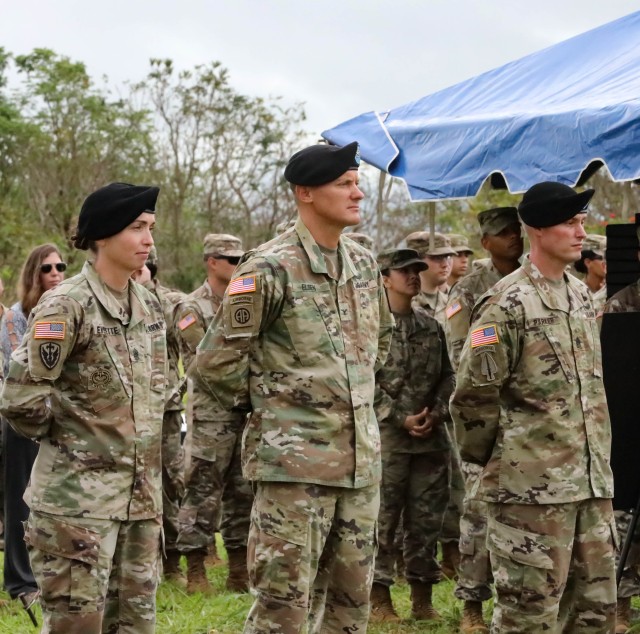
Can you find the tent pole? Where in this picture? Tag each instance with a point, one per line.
(380, 208)
(432, 224)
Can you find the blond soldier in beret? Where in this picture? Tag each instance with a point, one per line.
(215, 477)
(300, 333)
(460, 261)
(530, 410)
(89, 384)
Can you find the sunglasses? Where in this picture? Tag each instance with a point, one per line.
(61, 267)
(232, 259)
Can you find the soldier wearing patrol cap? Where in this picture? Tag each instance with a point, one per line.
(412, 403)
(460, 261)
(214, 479)
(502, 238)
(438, 259)
(297, 340)
(89, 383)
(530, 410)
(593, 266)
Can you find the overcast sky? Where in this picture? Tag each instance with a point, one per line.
(339, 57)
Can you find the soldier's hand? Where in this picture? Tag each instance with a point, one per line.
(419, 425)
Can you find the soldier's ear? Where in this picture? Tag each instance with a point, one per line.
(304, 193)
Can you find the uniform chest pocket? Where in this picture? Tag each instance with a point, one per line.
(559, 355)
(103, 386)
(311, 326)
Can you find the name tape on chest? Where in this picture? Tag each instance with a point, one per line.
(50, 330)
(484, 336)
(188, 320)
(242, 285)
(452, 309)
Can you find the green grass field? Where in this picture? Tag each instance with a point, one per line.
(224, 613)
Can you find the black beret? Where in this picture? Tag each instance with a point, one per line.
(110, 209)
(320, 164)
(547, 204)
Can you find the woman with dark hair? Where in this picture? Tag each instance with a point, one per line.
(593, 266)
(42, 270)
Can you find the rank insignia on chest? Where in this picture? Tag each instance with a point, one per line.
(484, 336)
(242, 285)
(452, 309)
(49, 330)
(50, 354)
(186, 321)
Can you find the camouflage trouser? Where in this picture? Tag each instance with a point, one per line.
(311, 552)
(215, 478)
(553, 566)
(474, 573)
(630, 580)
(451, 523)
(416, 487)
(96, 576)
(172, 476)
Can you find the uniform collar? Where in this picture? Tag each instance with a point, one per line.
(548, 297)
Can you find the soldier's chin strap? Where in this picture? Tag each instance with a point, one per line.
(626, 547)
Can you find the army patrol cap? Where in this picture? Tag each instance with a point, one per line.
(493, 221)
(362, 239)
(321, 164)
(547, 204)
(420, 241)
(110, 209)
(595, 243)
(222, 244)
(459, 243)
(400, 259)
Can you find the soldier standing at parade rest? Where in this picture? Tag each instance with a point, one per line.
(296, 342)
(412, 401)
(530, 409)
(502, 237)
(88, 383)
(172, 452)
(215, 476)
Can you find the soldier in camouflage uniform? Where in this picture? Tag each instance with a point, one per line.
(460, 261)
(529, 408)
(89, 384)
(295, 344)
(215, 475)
(626, 301)
(172, 452)
(502, 237)
(362, 239)
(412, 401)
(593, 266)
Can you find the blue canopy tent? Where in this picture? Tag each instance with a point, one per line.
(548, 116)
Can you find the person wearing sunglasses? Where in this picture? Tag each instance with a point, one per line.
(89, 383)
(43, 270)
(214, 482)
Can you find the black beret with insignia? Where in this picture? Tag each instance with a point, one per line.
(321, 164)
(547, 204)
(110, 209)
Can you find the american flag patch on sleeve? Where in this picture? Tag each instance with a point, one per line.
(242, 285)
(452, 309)
(49, 330)
(484, 336)
(186, 321)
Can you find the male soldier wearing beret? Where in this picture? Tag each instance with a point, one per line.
(412, 403)
(295, 344)
(89, 384)
(172, 452)
(529, 408)
(460, 261)
(215, 475)
(502, 237)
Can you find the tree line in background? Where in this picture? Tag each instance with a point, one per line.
(217, 155)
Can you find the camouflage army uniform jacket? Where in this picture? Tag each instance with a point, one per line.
(417, 374)
(92, 391)
(434, 304)
(169, 299)
(625, 301)
(298, 350)
(529, 405)
(462, 299)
